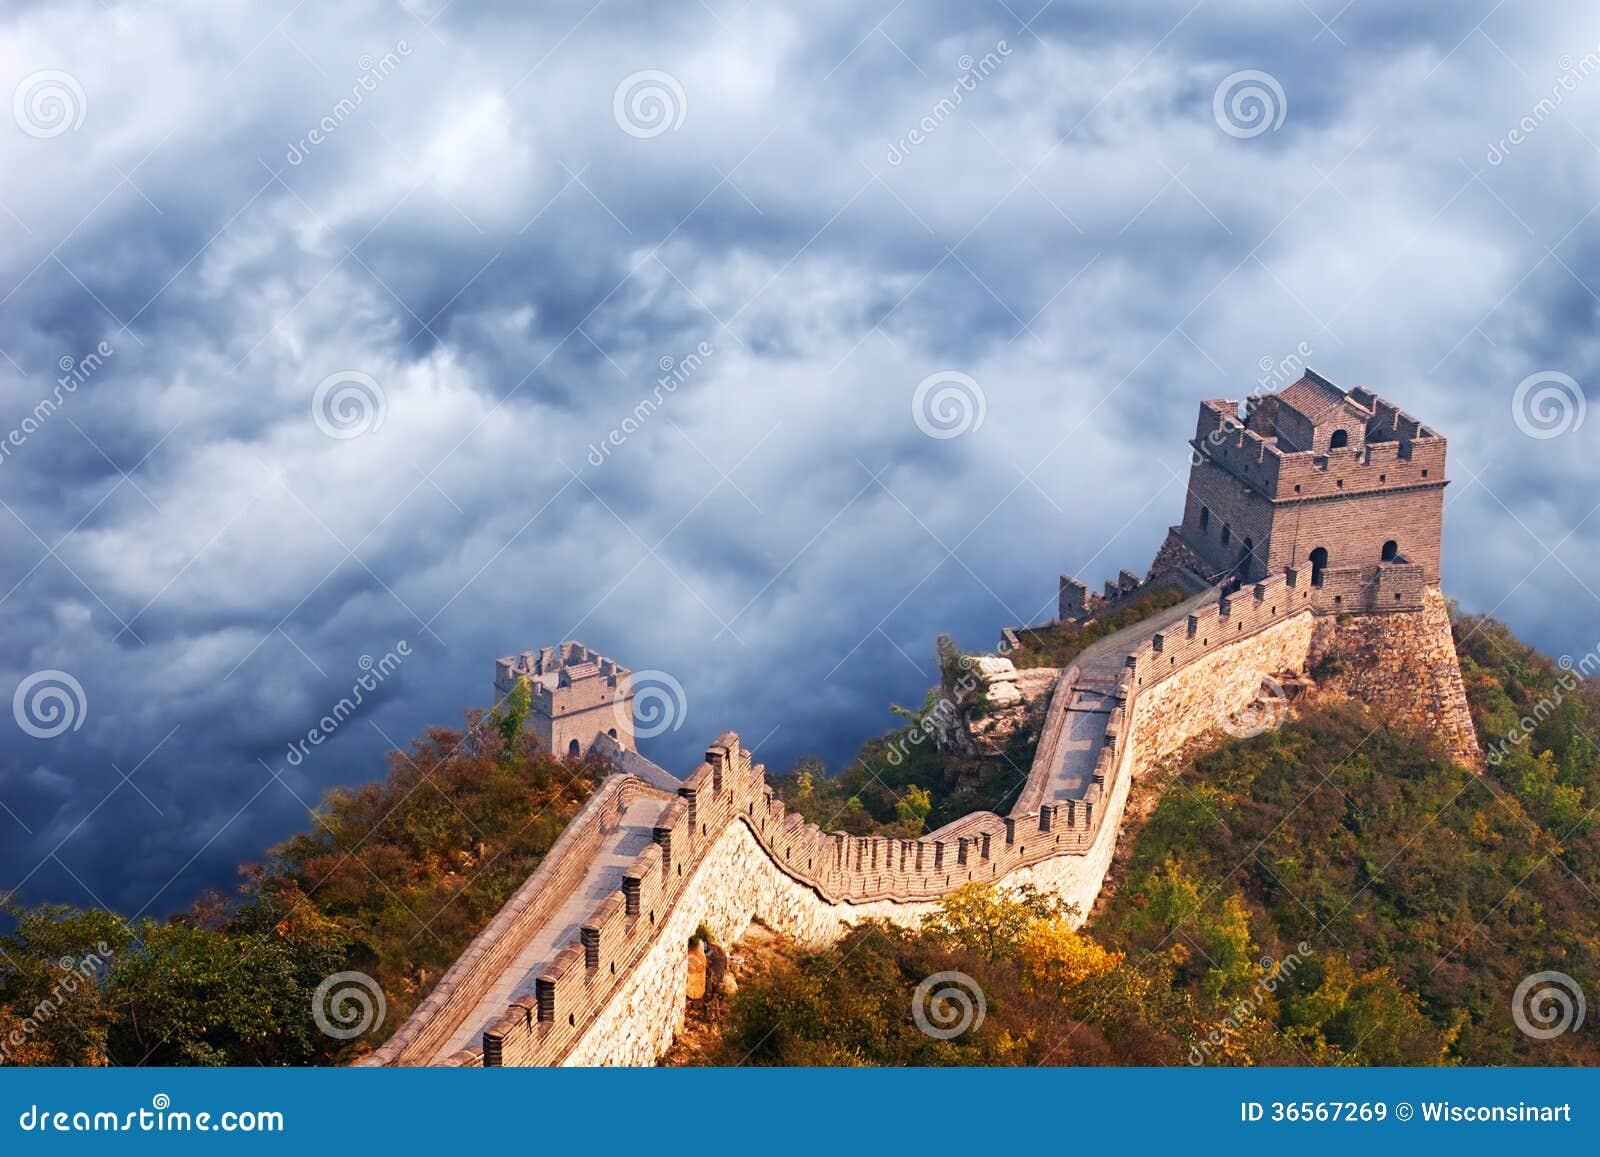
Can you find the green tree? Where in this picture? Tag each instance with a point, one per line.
(913, 807)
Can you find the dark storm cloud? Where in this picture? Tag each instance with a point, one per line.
(479, 236)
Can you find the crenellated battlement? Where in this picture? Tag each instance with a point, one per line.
(1340, 483)
(577, 694)
(1321, 500)
(845, 874)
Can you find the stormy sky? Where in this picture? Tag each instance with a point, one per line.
(342, 330)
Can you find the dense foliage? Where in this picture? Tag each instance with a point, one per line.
(1334, 892)
(394, 880)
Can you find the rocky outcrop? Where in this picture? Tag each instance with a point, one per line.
(1403, 664)
(1010, 696)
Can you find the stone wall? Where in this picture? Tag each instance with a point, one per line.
(1404, 665)
(727, 852)
(740, 879)
(472, 975)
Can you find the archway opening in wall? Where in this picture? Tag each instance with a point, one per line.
(1319, 563)
(1340, 439)
(1205, 518)
(1227, 534)
(1391, 550)
(1247, 560)
(612, 732)
(573, 750)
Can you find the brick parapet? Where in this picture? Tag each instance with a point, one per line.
(841, 870)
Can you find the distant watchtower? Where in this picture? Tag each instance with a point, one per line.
(577, 696)
(1343, 487)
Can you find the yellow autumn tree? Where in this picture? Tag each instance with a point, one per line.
(1056, 960)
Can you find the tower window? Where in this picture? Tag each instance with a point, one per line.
(573, 750)
(1227, 534)
(1205, 518)
(1390, 550)
(1340, 439)
(1319, 563)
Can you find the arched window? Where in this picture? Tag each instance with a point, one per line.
(573, 750)
(1227, 534)
(612, 732)
(1205, 518)
(1319, 563)
(1339, 441)
(1391, 550)
(1246, 550)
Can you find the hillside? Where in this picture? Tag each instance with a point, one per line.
(393, 881)
(1332, 892)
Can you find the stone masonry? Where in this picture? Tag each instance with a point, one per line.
(578, 694)
(609, 987)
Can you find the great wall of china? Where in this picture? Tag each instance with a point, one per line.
(586, 963)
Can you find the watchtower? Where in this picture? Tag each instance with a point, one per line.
(1342, 486)
(578, 694)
